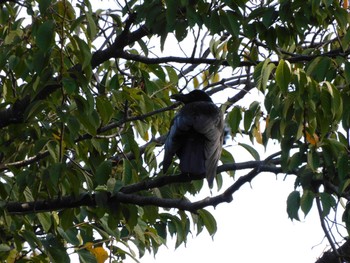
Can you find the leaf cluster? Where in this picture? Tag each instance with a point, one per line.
(85, 108)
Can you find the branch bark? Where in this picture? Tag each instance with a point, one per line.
(127, 193)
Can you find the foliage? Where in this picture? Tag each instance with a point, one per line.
(85, 107)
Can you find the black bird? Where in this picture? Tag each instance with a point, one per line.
(196, 135)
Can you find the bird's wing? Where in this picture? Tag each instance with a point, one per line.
(204, 119)
(214, 133)
(173, 141)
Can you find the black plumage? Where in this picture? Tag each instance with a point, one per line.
(196, 135)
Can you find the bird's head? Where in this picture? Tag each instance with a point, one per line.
(193, 96)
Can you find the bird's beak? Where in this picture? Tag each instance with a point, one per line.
(177, 97)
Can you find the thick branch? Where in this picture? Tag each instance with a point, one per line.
(126, 194)
(115, 50)
(182, 60)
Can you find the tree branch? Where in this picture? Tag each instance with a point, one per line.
(126, 194)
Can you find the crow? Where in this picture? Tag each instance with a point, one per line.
(195, 136)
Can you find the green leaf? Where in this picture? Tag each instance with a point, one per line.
(214, 23)
(293, 205)
(313, 160)
(55, 249)
(180, 232)
(295, 161)
(101, 199)
(343, 166)
(209, 221)
(251, 150)
(31, 238)
(86, 122)
(130, 213)
(262, 74)
(69, 85)
(128, 140)
(66, 218)
(269, 16)
(173, 78)
(4, 248)
(283, 75)
(171, 11)
(347, 71)
(103, 172)
(104, 108)
(234, 118)
(227, 157)
(346, 217)
(91, 29)
(45, 221)
(345, 40)
(84, 52)
(318, 68)
(229, 21)
(56, 171)
(158, 71)
(86, 256)
(327, 201)
(70, 235)
(45, 35)
(306, 201)
(248, 118)
(181, 30)
(43, 6)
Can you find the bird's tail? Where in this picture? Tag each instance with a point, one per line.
(192, 158)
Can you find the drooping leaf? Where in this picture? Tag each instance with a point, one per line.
(318, 68)
(283, 75)
(234, 118)
(45, 35)
(103, 172)
(293, 205)
(327, 201)
(209, 221)
(262, 74)
(254, 153)
(306, 201)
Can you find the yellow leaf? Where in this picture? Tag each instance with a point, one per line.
(257, 133)
(312, 139)
(88, 246)
(267, 121)
(216, 78)
(205, 77)
(346, 4)
(225, 47)
(195, 83)
(56, 136)
(100, 254)
(146, 137)
(11, 258)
